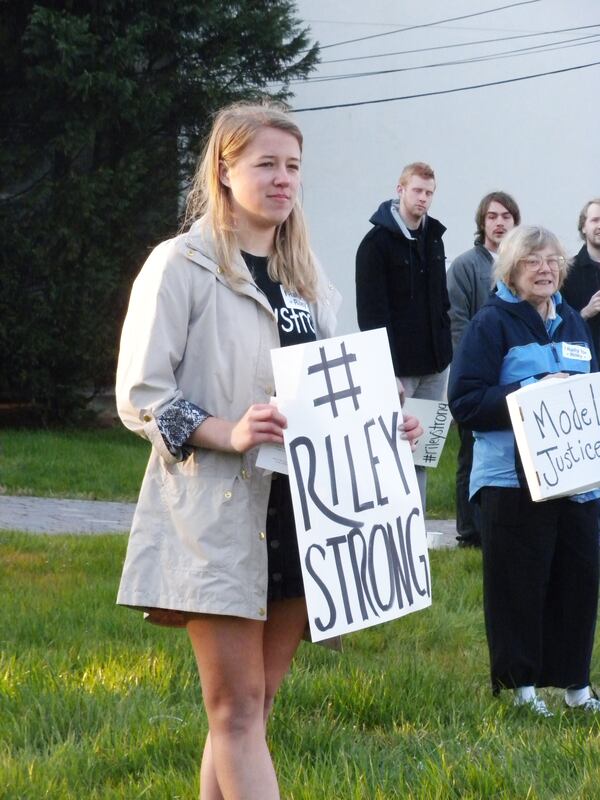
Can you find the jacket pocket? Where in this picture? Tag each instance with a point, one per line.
(204, 514)
(399, 280)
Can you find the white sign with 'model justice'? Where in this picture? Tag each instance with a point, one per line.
(557, 428)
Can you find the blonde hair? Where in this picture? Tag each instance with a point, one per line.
(291, 262)
(521, 242)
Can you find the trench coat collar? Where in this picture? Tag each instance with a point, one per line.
(200, 248)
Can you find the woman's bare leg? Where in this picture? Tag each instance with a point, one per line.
(209, 785)
(229, 653)
(282, 633)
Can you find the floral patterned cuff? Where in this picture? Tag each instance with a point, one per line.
(177, 423)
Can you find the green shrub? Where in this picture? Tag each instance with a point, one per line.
(103, 108)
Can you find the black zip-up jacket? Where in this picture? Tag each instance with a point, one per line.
(401, 285)
(582, 281)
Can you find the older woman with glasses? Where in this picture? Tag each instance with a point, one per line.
(540, 560)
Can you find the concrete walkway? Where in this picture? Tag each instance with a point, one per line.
(49, 515)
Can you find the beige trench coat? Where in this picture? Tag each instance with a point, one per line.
(198, 539)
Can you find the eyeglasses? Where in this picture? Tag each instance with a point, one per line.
(535, 261)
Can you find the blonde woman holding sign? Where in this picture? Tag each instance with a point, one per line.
(213, 544)
(540, 560)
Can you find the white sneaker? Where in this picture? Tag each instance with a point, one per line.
(591, 704)
(590, 701)
(537, 706)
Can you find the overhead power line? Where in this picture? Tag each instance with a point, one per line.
(579, 41)
(459, 44)
(447, 91)
(426, 24)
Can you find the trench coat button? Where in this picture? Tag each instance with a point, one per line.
(245, 474)
(227, 494)
(147, 417)
(219, 271)
(190, 253)
(269, 390)
(261, 535)
(262, 611)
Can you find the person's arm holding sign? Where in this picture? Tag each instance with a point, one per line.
(261, 423)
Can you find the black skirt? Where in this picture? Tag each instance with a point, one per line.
(285, 573)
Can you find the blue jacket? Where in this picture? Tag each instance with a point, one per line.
(506, 346)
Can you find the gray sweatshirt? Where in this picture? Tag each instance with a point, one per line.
(469, 285)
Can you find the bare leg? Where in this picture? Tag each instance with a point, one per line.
(282, 634)
(209, 786)
(229, 653)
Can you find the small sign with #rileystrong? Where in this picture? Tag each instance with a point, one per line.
(435, 417)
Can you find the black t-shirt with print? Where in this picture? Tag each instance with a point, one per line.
(294, 320)
(295, 325)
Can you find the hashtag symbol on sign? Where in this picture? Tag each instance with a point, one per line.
(326, 367)
(428, 458)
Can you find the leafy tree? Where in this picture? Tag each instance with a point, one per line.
(104, 105)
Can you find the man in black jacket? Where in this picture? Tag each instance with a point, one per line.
(582, 286)
(401, 285)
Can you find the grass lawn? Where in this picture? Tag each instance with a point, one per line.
(96, 704)
(87, 464)
(108, 464)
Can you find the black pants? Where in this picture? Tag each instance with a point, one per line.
(540, 588)
(467, 513)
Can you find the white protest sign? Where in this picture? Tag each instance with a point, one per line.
(360, 527)
(272, 458)
(557, 428)
(434, 416)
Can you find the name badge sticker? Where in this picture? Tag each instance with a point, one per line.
(293, 300)
(577, 352)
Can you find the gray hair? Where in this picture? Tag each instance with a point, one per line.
(521, 242)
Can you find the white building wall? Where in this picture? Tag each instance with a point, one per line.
(537, 139)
